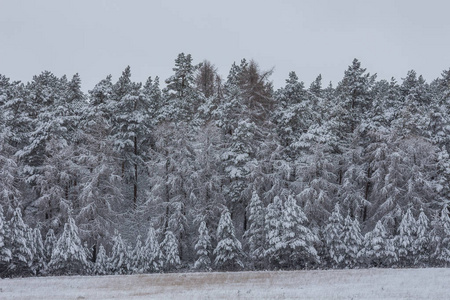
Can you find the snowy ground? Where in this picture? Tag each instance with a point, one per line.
(337, 284)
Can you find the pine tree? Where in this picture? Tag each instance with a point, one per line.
(422, 241)
(228, 251)
(5, 251)
(333, 235)
(297, 240)
(404, 241)
(440, 239)
(137, 259)
(21, 255)
(203, 248)
(49, 245)
(273, 229)
(119, 260)
(181, 93)
(38, 264)
(69, 255)
(169, 248)
(255, 234)
(378, 250)
(101, 265)
(353, 94)
(152, 252)
(352, 239)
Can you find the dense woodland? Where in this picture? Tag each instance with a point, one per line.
(214, 173)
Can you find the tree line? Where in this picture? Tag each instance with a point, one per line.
(223, 173)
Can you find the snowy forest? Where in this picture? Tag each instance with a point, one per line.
(223, 173)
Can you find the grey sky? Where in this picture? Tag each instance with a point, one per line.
(97, 38)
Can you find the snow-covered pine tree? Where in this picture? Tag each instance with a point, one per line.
(169, 248)
(203, 248)
(378, 250)
(422, 241)
(333, 243)
(298, 241)
(137, 259)
(353, 94)
(255, 234)
(228, 251)
(119, 261)
(404, 241)
(21, 255)
(49, 245)
(440, 239)
(101, 265)
(132, 132)
(183, 98)
(69, 255)
(38, 264)
(100, 184)
(152, 252)
(352, 239)
(273, 230)
(5, 251)
(294, 114)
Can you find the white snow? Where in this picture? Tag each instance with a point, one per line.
(362, 284)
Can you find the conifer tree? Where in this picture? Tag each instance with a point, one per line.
(137, 259)
(152, 252)
(440, 239)
(21, 255)
(119, 260)
(101, 265)
(352, 239)
(228, 251)
(169, 248)
(333, 234)
(404, 241)
(5, 251)
(49, 245)
(203, 248)
(181, 93)
(422, 241)
(378, 250)
(297, 240)
(69, 255)
(255, 234)
(39, 259)
(273, 228)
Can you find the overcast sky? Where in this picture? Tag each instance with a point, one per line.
(95, 38)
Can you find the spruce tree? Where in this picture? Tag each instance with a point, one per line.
(69, 255)
(203, 248)
(49, 245)
(422, 241)
(333, 234)
(21, 255)
(152, 252)
(101, 265)
(440, 239)
(169, 248)
(378, 249)
(404, 241)
(228, 251)
(39, 259)
(137, 259)
(255, 234)
(5, 251)
(352, 239)
(298, 238)
(119, 260)
(273, 229)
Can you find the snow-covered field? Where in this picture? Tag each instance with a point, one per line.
(335, 284)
